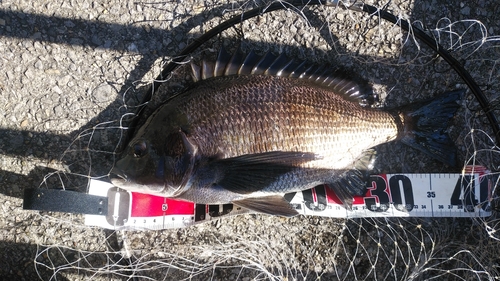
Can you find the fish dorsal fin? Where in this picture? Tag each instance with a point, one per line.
(221, 62)
(248, 64)
(195, 72)
(207, 70)
(234, 64)
(324, 75)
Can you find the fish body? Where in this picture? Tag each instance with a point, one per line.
(245, 135)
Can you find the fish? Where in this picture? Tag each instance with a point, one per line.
(252, 128)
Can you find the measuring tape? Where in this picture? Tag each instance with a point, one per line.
(388, 195)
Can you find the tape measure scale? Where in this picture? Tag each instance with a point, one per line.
(388, 195)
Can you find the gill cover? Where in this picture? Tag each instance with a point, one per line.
(176, 166)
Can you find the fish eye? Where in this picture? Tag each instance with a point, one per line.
(140, 148)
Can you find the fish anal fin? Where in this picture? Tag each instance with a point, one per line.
(366, 161)
(272, 205)
(351, 183)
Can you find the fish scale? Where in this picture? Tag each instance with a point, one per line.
(302, 118)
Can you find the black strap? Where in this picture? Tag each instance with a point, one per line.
(59, 200)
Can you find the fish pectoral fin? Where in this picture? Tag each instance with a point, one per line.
(253, 172)
(272, 205)
(351, 183)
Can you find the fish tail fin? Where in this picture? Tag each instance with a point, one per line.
(425, 126)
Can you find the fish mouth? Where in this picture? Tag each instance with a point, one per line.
(121, 180)
(118, 178)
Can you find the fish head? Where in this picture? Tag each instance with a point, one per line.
(161, 166)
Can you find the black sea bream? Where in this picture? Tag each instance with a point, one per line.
(254, 128)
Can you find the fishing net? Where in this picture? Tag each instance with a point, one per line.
(87, 119)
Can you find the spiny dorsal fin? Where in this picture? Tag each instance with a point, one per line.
(207, 70)
(282, 66)
(248, 63)
(195, 72)
(234, 64)
(221, 62)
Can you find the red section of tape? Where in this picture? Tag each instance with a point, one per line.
(145, 205)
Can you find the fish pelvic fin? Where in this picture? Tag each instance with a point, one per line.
(342, 82)
(425, 126)
(272, 205)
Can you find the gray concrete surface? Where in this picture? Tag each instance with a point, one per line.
(69, 67)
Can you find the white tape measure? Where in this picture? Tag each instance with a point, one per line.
(388, 195)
